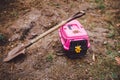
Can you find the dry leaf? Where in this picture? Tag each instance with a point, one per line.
(118, 60)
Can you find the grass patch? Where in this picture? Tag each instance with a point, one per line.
(97, 1)
(111, 35)
(3, 40)
(112, 32)
(108, 52)
(49, 58)
(2, 37)
(105, 69)
(101, 4)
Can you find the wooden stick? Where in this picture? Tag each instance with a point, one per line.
(49, 31)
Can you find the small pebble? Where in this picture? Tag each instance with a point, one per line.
(12, 46)
(86, 71)
(105, 42)
(91, 64)
(119, 52)
(80, 65)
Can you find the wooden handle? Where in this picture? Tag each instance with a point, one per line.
(49, 31)
(77, 15)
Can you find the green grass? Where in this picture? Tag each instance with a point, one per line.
(111, 35)
(105, 69)
(101, 4)
(112, 32)
(2, 37)
(97, 1)
(49, 58)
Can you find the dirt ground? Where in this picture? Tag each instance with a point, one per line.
(40, 61)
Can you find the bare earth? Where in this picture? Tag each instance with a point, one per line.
(40, 61)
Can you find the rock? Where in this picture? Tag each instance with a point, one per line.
(91, 63)
(119, 52)
(118, 25)
(105, 42)
(12, 46)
